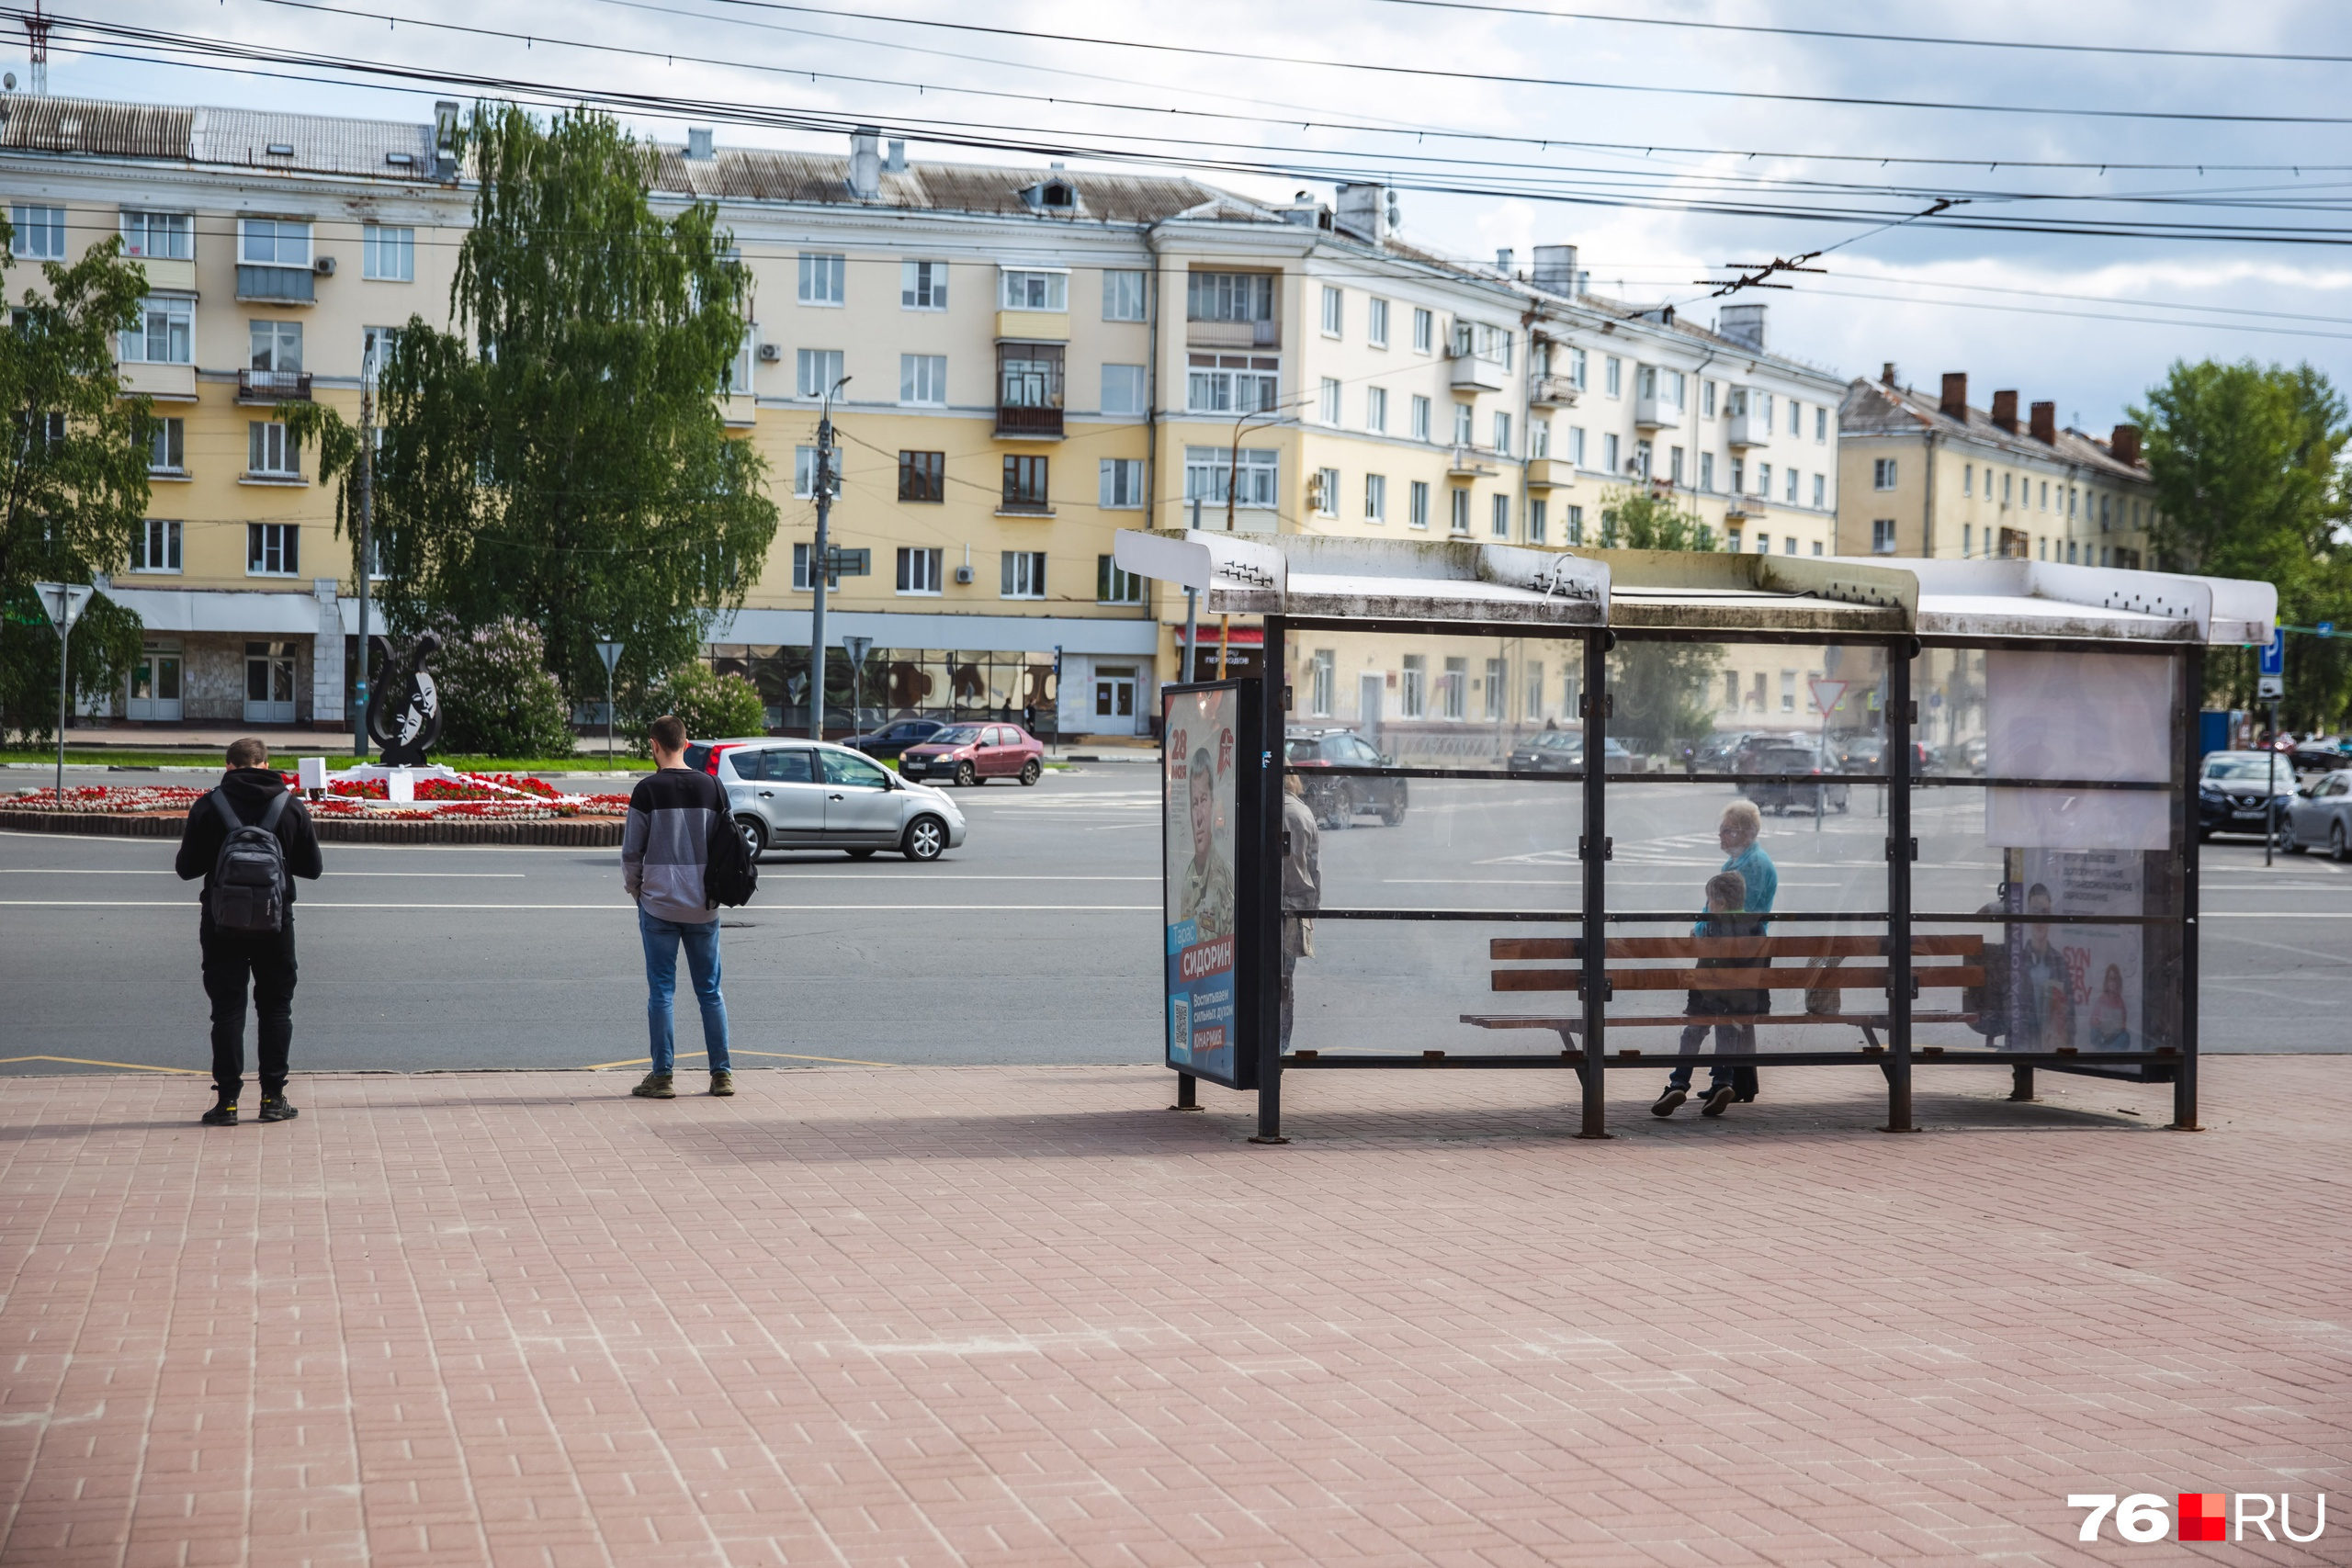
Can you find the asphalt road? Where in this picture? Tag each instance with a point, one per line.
(1037, 942)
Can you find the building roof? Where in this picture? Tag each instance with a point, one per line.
(322, 144)
(1873, 408)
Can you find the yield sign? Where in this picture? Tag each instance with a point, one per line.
(1828, 695)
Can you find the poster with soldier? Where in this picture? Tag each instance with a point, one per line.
(1202, 731)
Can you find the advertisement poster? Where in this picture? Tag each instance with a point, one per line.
(2104, 716)
(2077, 986)
(1203, 730)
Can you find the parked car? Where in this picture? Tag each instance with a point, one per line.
(1338, 802)
(975, 754)
(893, 739)
(1794, 775)
(1562, 751)
(2234, 790)
(2321, 813)
(803, 795)
(2318, 757)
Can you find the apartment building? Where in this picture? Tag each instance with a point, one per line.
(1935, 477)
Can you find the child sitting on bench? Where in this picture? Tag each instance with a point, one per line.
(1726, 901)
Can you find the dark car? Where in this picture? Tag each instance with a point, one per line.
(2234, 791)
(893, 739)
(1794, 775)
(1562, 751)
(975, 754)
(1338, 802)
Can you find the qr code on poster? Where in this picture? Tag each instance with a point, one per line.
(1179, 1025)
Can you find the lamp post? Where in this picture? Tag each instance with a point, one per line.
(64, 603)
(367, 540)
(820, 560)
(610, 652)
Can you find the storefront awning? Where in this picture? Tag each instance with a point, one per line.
(210, 609)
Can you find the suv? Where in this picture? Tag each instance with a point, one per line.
(893, 739)
(1792, 774)
(975, 754)
(1562, 751)
(801, 795)
(1338, 802)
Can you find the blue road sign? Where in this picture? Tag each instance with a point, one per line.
(2274, 656)
(2327, 628)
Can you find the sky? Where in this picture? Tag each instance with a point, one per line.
(1663, 152)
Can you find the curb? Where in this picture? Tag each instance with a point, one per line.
(595, 832)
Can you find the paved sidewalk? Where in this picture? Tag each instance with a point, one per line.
(1025, 1315)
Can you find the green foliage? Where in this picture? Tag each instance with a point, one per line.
(713, 705)
(497, 697)
(559, 458)
(72, 477)
(2245, 458)
(1641, 520)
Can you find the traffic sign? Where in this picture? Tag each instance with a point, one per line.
(610, 652)
(2325, 628)
(1828, 695)
(857, 647)
(2274, 654)
(2269, 688)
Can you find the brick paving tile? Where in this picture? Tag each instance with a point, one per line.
(1024, 1316)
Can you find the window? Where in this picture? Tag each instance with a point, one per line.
(824, 279)
(1123, 388)
(1789, 545)
(922, 379)
(1609, 454)
(277, 346)
(1114, 586)
(1035, 290)
(1463, 434)
(167, 446)
(1334, 311)
(1820, 426)
(273, 549)
(1481, 340)
(2045, 495)
(2070, 553)
(1122, 483)
(1502, 431)
(1414, 693)
(1707, 399)
(39, 233)
(1787, 690)
(156, 547)
(818, 371)
(1418, 504)
(918, 571)
(1816, 547)
(922, 286)
(162, 236)
(1881, 473)
(1323, 493)
(385, 254)
(1375, 409)
(1228, 296)
(164, 333)
(1459, 519)
(1231, 383)
(1968, 478)
(1499, 522)
(2005, 487)
(269, 451)
(1763, 544)
(1796, 417)
(1707, 472)
(1025, 484)
(922, 476)
(1576, 368)
(1254, 472)
(1576, 525)
(1576, 445)
(1023, 574)
(1790, 492)
(1322, 683)
(1674, 467)
(1968, 539)
(1820, 490)
(2070, 501)
(1326, 402)
(375, 345)
(1452, 691)
(1494, 689)
(1123, 296)
(1883, 536)
(1539, 438)
(272, 242)
(1376, 323)
(1375, 497)
(1613, 377)
(1642, 452)
(1424, 329)
(1739, 475)
(1763, 479)
(1762, 406)
(1537, 507)
(1420, 410)
(1029, 376)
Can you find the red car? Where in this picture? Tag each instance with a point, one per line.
(975, 754)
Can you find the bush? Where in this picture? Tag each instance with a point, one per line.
(497, 696)
(711, 704)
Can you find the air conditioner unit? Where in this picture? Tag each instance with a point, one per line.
(964, 575)
(770, 353)
(324, 266)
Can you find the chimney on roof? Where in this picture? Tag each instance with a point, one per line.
(2125, 444)
(1886, 374)
(1503, 259)
(866, 163)
(895, 163)
(2045, 424)
(1955, 398)
(1365, 212)
(2004, 411)
(698, 146)
(1744, 324)
(1555, 270)
(445, 140)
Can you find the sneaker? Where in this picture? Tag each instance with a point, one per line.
(274, 1109)
(722, 1084)
(1718, 1101)
(1670, 1101)
(655, 1087)
(224, 1114)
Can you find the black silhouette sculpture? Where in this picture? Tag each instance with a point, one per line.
(404, 714)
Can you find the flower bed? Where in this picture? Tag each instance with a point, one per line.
(495, 797)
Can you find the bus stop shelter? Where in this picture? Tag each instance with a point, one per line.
(1958, 796)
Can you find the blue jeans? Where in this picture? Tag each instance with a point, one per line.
(1728, 1037)
(662, 940)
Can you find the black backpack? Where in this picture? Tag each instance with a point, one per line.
(249, 874)
(728, 877)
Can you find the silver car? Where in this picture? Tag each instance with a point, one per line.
(2321, 813)
(802, 794)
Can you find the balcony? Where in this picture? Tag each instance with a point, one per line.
(167, 273)
(737, 410)
(1654, 412)
(1026, 422)
(170, 383)
(1033, 326)
(1233, 335)
(277, 285)
(273, 386)
(1550, 473)
(1473, 374)
(1740, 507)
(1467, 462)
(1746, 429)
(1551, 392)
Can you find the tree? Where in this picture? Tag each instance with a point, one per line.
(1641, 520)
(2244, 460)
(1661, 687)
(559, 458)
(711, 706)
(72, 476)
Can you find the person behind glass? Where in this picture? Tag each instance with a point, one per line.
(664, 848)
(1302, 885)
(1726, 917)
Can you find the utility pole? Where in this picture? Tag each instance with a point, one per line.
(820, 560)
(366, 542)
(37, 39)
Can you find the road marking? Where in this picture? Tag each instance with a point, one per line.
(737, 1050)
(86, 1062)
(941, 876)
(784, 908)
(157, 870)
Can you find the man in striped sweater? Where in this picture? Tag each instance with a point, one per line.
(664, 848)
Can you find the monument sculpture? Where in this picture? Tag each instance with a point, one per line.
(404, 715)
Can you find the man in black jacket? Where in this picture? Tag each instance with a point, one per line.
(232, 958)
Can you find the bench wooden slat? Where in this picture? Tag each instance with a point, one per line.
(1936, 976)
(1576, 1022)
(1521, 948)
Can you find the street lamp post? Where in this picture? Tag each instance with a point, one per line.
(820, 561)
(367, 540)
(64, 603)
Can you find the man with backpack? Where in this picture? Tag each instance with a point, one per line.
(248, 838)
(680, 857)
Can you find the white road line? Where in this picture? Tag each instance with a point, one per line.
(159, 870)
(190, 903)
